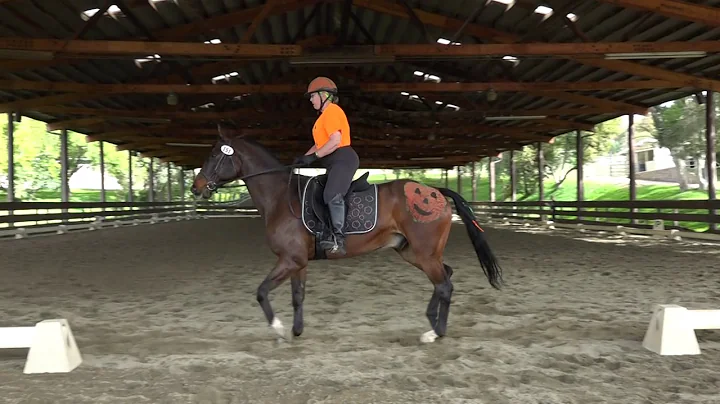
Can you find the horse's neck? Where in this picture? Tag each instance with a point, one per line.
(267, 192)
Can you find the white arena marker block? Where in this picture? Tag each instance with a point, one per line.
(672, 329)
(51, 342)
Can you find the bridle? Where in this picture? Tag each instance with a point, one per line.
(212, 183)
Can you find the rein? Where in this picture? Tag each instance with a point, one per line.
(212, 185)
(282, 168)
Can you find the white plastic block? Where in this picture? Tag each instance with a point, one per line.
(52, 346)
(21, 232)
(671, 331)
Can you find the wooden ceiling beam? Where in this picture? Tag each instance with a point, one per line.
(387, 160)
(185, 137)
(682, 10)
(84, 123)
(358, 130)
(231, 19)
(88, 48)
(360, 143)
(605, 104)
(380, 114)
(151, 151)
(564, 49)
(259, 18)
(91, 48)
(427, 87)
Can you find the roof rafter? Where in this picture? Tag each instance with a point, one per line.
(673, 8)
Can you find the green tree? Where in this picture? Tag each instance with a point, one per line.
(680, 127)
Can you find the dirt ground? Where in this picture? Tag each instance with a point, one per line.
(166, 313)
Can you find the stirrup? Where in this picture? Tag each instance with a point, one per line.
(333, 245)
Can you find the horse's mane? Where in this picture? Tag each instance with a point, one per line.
(265, 154)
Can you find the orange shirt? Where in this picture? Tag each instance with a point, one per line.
(331, 120)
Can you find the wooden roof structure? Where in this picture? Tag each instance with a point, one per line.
(424, 83)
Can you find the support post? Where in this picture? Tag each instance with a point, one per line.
(710, 151)
(182, 184)
(169, 182)
(513, 177)
(11, 158)
(64, 186)
(151, 181)
(102, 172)
(473, 179)
(631, 162)
(459, 179)
(540, 166)
(631, 156)
(130, 182)
(580, 157)
(491, 178)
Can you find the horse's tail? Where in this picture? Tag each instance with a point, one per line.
(489, 264)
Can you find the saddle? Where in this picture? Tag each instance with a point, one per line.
(360, 201)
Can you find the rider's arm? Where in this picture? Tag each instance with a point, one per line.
(311, 150)
(331, 145)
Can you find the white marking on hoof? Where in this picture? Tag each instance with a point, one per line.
(428, 337)
(278, 327)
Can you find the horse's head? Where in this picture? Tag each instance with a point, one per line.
(223, 165)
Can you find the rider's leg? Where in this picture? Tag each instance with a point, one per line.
(343, 164)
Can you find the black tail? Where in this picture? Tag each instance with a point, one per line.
(488, 261)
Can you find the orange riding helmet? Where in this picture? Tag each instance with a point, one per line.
(321, 84)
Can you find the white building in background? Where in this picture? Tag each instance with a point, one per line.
(88, 177)
(652, 163)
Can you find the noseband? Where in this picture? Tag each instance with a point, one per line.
(211, 183)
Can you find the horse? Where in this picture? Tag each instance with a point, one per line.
(412, 218)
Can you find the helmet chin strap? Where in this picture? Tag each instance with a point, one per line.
(322, 102)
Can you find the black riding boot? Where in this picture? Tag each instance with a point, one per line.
(336, 241)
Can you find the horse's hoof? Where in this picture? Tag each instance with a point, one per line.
(428, 337)
(278, 327)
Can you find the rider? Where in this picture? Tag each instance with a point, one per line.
(331, 133)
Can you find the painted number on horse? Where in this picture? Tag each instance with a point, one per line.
(424, 203)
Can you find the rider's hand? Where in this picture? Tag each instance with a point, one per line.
(306, 159)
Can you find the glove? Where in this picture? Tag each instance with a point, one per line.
(305, 160)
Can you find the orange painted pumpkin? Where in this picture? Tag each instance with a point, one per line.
(424, 203)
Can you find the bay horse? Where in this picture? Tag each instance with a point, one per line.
(410, 217)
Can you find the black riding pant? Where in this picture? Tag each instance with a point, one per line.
(341, 166)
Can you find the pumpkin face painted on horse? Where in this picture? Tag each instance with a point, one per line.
(424, 203)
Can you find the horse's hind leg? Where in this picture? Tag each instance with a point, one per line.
(446, 289)
(439, 274)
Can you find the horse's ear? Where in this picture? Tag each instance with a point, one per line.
(224, 131)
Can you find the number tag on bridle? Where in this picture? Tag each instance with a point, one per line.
(227, 150)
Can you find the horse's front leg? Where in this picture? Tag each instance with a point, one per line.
(297, 281)
(285, 267)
